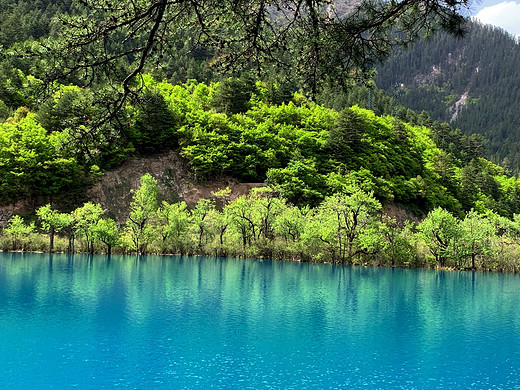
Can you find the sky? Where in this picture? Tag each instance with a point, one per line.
(501, 13)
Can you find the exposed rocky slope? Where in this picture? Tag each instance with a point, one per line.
(114, 189)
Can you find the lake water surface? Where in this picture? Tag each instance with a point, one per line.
(200, 322)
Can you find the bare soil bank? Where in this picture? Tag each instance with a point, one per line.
(114, 189)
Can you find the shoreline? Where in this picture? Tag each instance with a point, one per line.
(365, 265)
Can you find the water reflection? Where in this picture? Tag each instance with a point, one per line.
(198, 321)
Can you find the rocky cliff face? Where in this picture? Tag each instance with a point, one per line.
(114, 189)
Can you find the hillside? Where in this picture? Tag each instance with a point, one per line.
(473, 83)
(114, 188)
(233, 129)
(242, 130)
(336, 183)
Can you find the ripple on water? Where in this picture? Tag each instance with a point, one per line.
(213, 323)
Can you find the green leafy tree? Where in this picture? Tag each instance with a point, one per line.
(52, 222)
(107, 232)
(174, 222)
(222, 219)
(143, 207)
(69, 107)
(19, 231)
(232, 95)
(348, 225)
(85, 219)
(345, 137)
(267, 206)
(397, 245)
(201, 221)
(221, 222)
(299, 182)
(153, 125)
(4, 111)
(291, 223)
(440, 231)
(242, 220)
(477, 237)
(30, 160)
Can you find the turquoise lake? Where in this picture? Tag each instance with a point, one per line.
(200, 322)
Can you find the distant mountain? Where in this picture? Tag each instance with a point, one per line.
(473, 83)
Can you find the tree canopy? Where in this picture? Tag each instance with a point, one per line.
(314, 39)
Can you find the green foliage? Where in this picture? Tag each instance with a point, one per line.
(106, 230)
(477, 237)
(299, 182)
(86, 218)
(232, 95)
(153, 124)
(305, 150)
(19, 232)
(345, 136)
(174, 221)
(440, 230)
(476, 73)
(348, 225)
(139, 227)
(267, 206)
(68, 108)
(116, 41)
(52, 222)
(328, 164)
(241, 217)
(22, 20)
(30, 160)
(4, 111)
(201, 221)
(290, 223)
(397, 245)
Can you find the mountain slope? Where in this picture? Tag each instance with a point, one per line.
(473, 83)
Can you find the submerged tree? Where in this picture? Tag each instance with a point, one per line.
(85, 219)
(348, 225)
(52, 222)
(440, 231)
(478, 234)
(241, 216)
(19, 231)
(201, 220)
(174, 220)
(107, 232)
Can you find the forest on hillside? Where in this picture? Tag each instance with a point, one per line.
(239, 129)
(315, 149)
(472, 83)
(58, 136)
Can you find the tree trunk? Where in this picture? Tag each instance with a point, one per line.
(51, 240)
(201, 234)
(71, 244)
